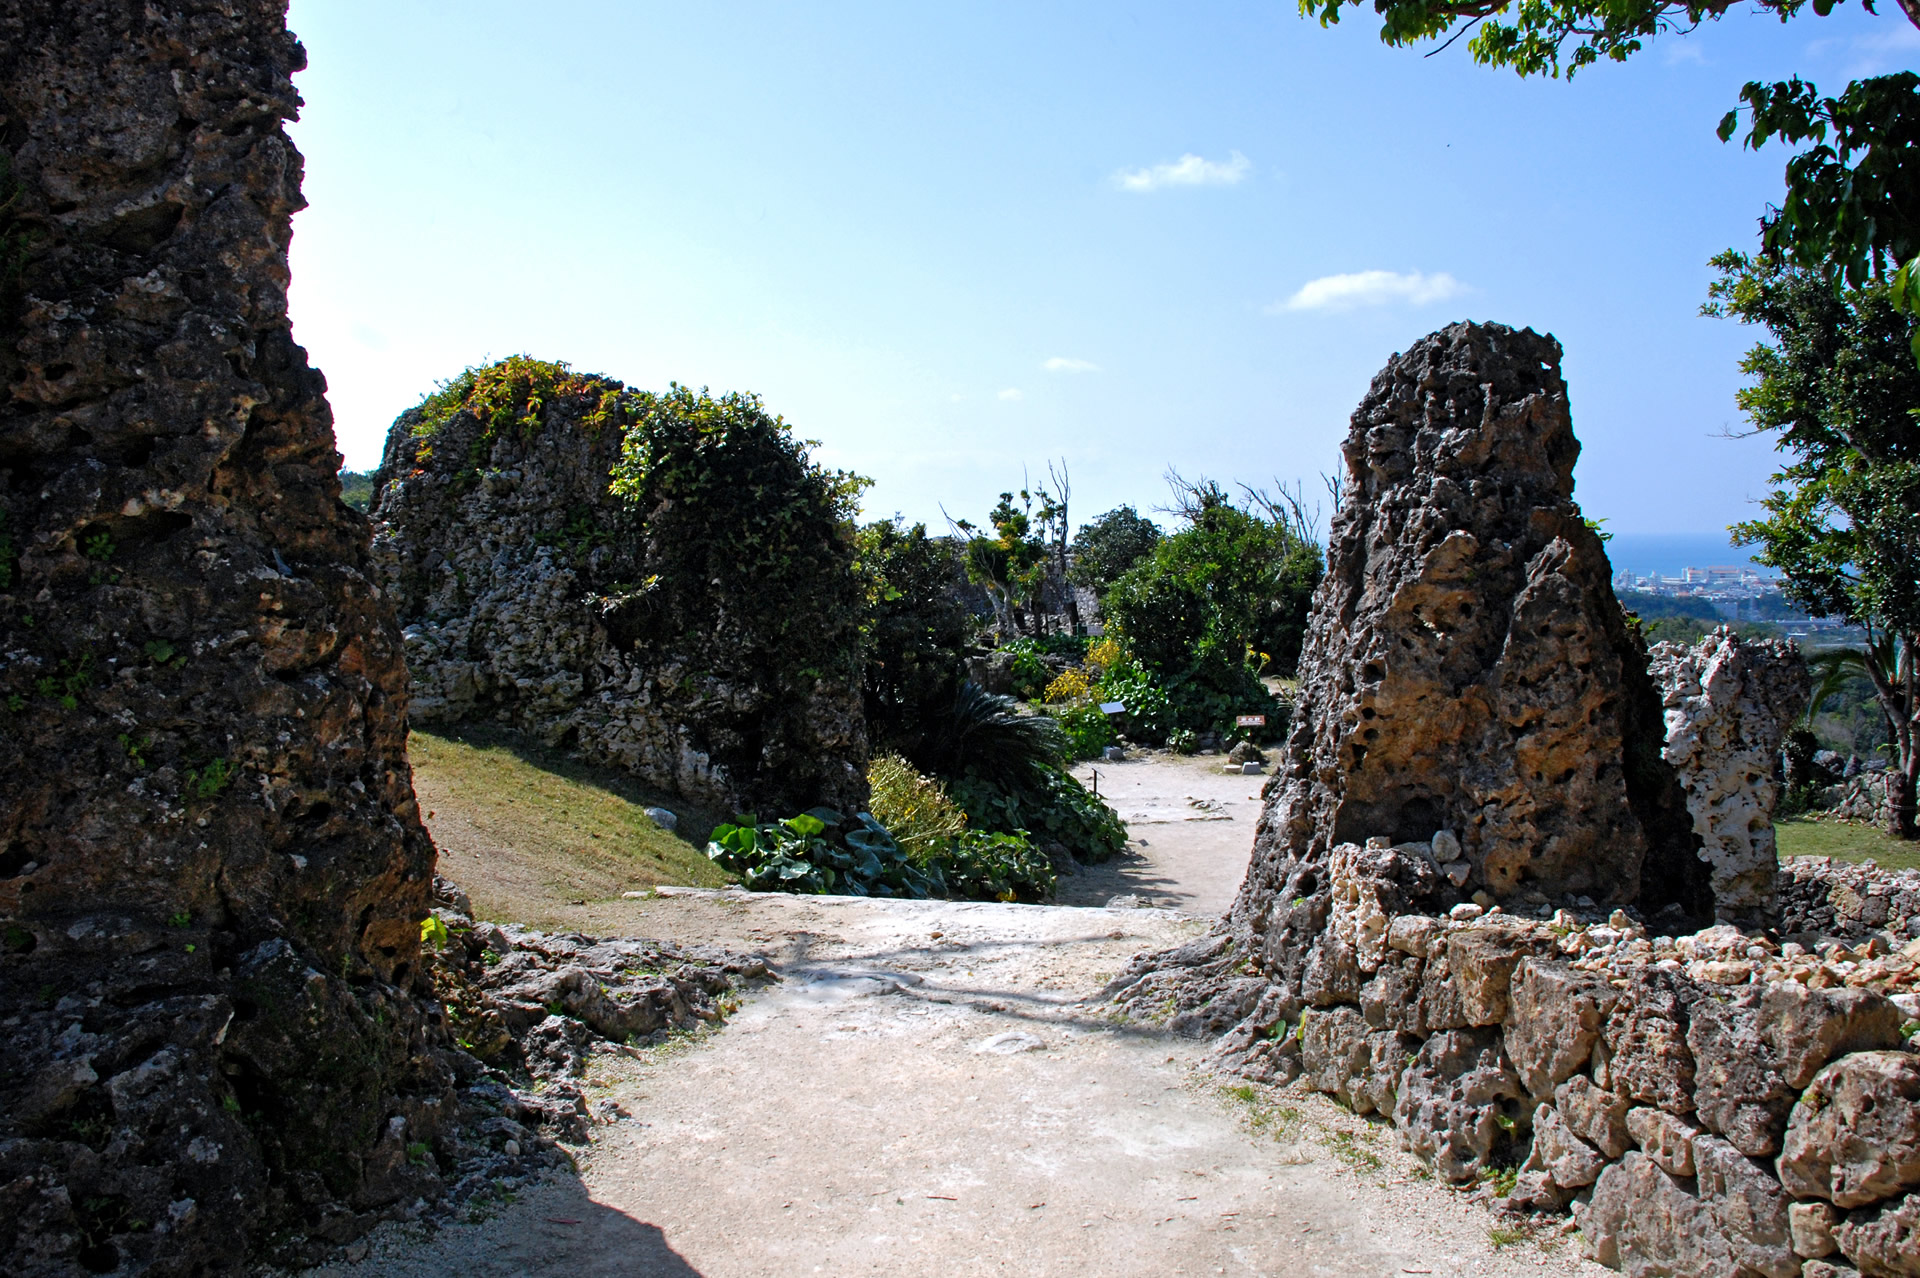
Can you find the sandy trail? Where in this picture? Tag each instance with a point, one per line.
(924, 1093)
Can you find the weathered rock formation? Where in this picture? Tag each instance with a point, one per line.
(1477, 717)
(705, 639)
(212, 873)
(1467, 668)
(1729, 702)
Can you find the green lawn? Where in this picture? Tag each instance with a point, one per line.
(1847, 842)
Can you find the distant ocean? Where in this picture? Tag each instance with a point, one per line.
(1671, 553)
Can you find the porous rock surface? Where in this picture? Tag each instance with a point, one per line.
(1729, 701)
(1682, 1092)
(212, 872)
(1467, 669)
(531, 596)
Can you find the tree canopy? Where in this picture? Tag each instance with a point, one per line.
(1555, 37)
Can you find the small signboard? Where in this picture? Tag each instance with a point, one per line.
(1113, 707)
(1250, 721)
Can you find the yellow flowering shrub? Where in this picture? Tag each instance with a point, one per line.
(1069, 685)
(1105, 653)
(914, 808)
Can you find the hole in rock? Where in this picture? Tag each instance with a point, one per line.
(15, 860)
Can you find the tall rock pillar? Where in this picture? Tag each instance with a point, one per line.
(212, 871)
(1469, 683)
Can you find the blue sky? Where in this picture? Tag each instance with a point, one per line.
(952, 242)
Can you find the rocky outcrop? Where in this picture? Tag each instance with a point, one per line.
(1729, 702)
(1477, 742)
(1467, 669)
(212, 871)
(699, 630)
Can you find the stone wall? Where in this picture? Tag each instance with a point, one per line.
(532, 596)
(212, 871)
(1476, 893)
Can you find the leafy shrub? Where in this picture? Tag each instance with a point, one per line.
(914, 808)
(982, 866)
(1047, 804)
(797, 855)
(1086, 729)
(1183, 740)
(1150, 714)
(985, 733)
(1105, 654)
(916, 628)
(1030, 673)
(1106, 547)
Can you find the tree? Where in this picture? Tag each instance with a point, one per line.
(1216, 602)
(1108, 546)
(1837, 386)
(916, 630)
(1534, 41)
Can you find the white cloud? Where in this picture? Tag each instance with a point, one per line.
(1370, 288)
(1012, 392)
(1061, 364)
(1188, 170)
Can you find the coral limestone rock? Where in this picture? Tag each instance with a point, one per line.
(1728, 703)
(1467, 668)
(702, 639)
(212, 872)
(1854, 1137)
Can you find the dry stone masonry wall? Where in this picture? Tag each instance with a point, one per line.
(1477, 892)
(212, 871)
(535, 597)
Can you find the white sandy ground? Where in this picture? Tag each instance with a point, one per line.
(922, 1094)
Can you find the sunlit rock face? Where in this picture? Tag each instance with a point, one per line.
(1728, 703)
(1469, 682)
(211, 867)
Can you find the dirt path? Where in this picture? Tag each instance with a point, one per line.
(1190, 827)
(924, 1092)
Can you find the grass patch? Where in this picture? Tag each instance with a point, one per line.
(1349, 1150)
(1846, 842)
(524, 830)
(1506, 1236)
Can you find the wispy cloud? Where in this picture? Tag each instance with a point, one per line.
(1061, 364)
(1681, 49)
(1013, 392)
(1188, 170)
(1370, 288)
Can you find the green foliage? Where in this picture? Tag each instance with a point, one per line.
(1852, 209)
(818, 852)
(512, 396)
(983, 866)
(742, 525)
(1030, 673)
(1150, 713)
(71, 677)
(1216, 603)
(1046, 803)
(356, 488)
(433, 932)
(1838, 387)
(916, 627)
(1087, 729)
(915, 808)
(1106, 547)
(1011, 561)
(1534, 39)
(986, 734)
(208, 781)
(99, 547)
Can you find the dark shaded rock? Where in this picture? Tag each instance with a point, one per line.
(1553, 1020)
(212, 872)
(1854, 1136)
(1457, 1101)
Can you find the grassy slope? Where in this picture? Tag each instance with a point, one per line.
(527, 831)
(1847, 842)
